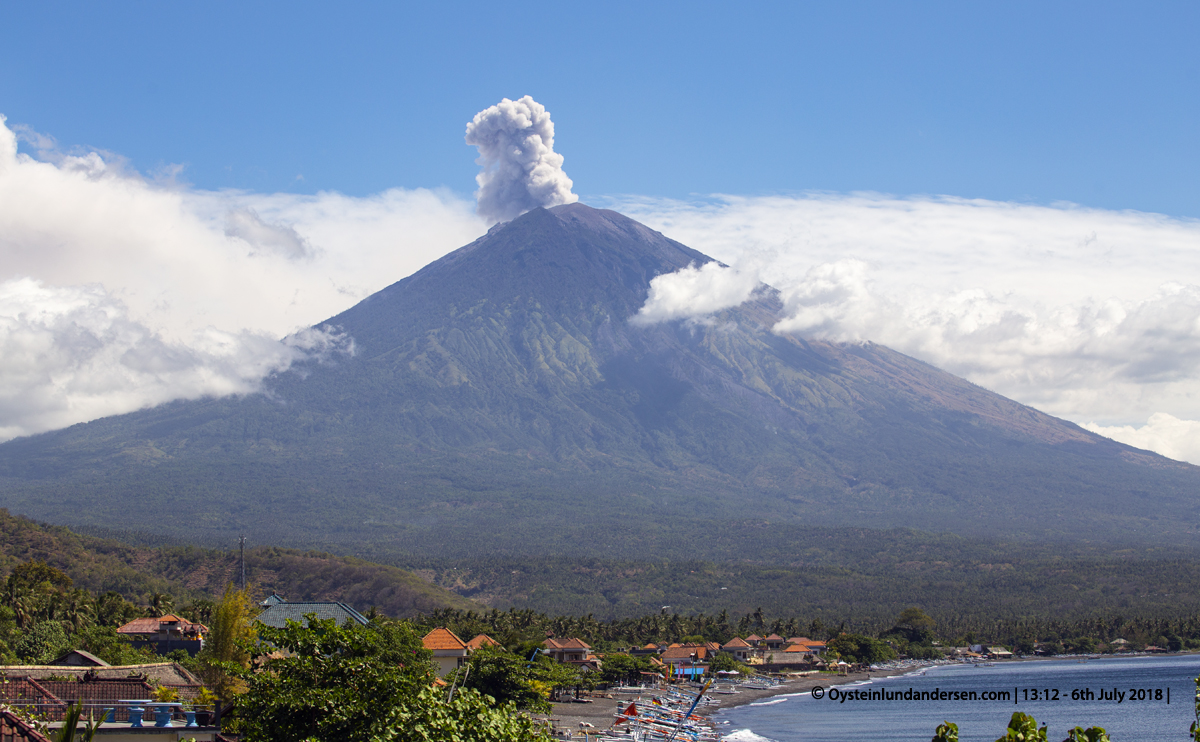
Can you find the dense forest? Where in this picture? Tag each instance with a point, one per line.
(189, 573)
(973, 592)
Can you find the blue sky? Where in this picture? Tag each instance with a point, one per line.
(1090, 102)
(1006, 190)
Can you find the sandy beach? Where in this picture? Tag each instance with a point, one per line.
(599, 707)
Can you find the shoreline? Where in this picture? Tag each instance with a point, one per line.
(597, 711)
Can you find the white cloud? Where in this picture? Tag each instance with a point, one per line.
(119, 292)
(695, 291)
(521, 171)
(1166, 434)
(73, 353)
(1089, 315)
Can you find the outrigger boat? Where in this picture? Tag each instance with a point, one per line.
(665, 717)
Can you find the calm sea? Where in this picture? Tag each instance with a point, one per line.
(802, 717)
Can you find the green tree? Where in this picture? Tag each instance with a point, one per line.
(160, 605)
(341, 683)
(108, 645)
(1023, 728)
(42, 644)
(9, 633)
(623, 668)
(859, 648)
(722, 662)
(227, 647)
(112, 610)
(915, 626)
(70, 732)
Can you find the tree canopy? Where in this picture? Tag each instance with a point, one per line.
(362, 684)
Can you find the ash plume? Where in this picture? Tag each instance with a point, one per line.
(520, 169)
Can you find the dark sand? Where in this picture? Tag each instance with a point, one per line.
(567, 717)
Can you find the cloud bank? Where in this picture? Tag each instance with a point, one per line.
(119, 292)
(520, 169)
(1090, 315)
(695, 291)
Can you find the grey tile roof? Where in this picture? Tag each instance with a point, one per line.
(277, 615)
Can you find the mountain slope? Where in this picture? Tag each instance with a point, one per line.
(499, 400)
(188, 573)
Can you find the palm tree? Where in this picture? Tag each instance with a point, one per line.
(71, 722)
(161, 604)
(78, 609)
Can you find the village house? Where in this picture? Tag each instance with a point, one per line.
(165, 634)
(572, 651)
(277, 612)
(689, 660)
(649, 649)
(739, 648)
(449, 652)
(483, 640)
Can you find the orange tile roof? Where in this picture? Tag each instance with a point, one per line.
(754, 638)
(483, 640)
(774, 638)
(155, 625)
(570, 643)
(682, 653)
(736, 642)
(441, 638)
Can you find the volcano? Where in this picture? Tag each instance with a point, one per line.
(500, 401)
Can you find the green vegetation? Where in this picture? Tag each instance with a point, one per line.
(865, 578)
(854, 648)
(526, 678)
(228, 646)
(358, 684)
(1024, 728)
(162, 578)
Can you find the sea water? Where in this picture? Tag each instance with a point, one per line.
(1042, 689)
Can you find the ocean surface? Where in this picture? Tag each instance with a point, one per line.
(1143, 714)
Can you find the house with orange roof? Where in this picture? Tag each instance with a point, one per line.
(774, 641)
(689, 660)
(483, 640)
(818, 648)
(570, 650)
(797, 653)
(449, 652)
(649, 649)
(165, 634)
(739, 648)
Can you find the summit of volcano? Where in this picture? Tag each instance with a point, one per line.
(501, 401)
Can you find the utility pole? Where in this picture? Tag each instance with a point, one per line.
(242, 550)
